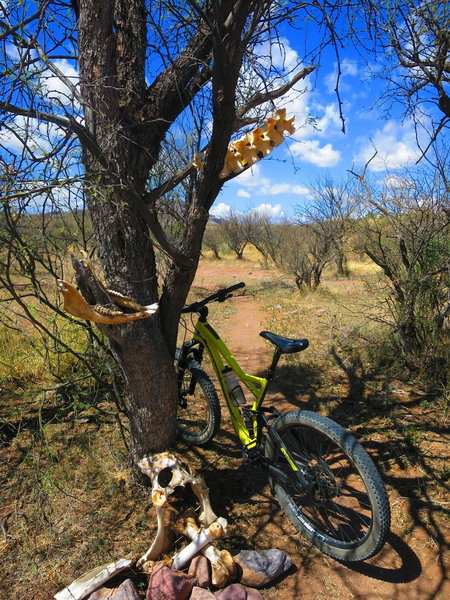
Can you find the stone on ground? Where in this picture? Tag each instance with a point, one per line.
(126, 591)
(168, 584)
(260, 568)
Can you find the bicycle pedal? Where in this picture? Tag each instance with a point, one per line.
(252, 455)
(274, 413)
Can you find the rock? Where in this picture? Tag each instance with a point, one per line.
(126, 591)
(253, 594)
(199, 593)
(199, 568)
(167, 584)
(237, 591)
(260, 568)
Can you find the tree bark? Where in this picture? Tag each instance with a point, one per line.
(128, 121)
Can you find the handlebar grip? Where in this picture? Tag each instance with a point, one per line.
(236, 286)
(220, 296)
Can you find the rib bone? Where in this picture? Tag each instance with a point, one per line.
(90, 581)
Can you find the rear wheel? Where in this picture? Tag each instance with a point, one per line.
(198, 418)
(343, 509)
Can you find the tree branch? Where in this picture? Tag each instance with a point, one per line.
(69, 124)
(261, 98)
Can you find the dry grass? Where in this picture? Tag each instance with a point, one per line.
(66, 502)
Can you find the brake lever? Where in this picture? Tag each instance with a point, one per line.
(223, 297)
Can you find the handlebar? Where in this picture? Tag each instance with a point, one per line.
(219, 296)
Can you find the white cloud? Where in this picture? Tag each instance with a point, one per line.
(55, 88)
(39, 137)
(289, 188)
(268, 210)
(310, 151)
(278, 54)
(348, 68)
(253, 180)
(396, 145)
(221, 210)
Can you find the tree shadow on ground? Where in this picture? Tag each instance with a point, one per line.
(393, 424)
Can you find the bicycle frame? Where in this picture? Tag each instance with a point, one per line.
(220, 356)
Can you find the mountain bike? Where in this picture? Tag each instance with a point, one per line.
(321, 476)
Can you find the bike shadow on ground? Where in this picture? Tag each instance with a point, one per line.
(410, 566)
(241, 493)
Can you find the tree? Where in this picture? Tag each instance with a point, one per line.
(306, 251)
(234, 233)
(264, 234)
(331, 209)
(405, 225)
(95, 94)
(214, 240)
(416, 37)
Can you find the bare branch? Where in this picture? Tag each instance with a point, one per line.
(69, 124)
(261, 98)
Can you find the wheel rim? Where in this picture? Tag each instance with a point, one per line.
(336, 508)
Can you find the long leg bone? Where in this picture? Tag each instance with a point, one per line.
(202, 537)
(163, 538)
(223, 567)
(207, 515)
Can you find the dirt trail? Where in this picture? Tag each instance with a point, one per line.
(400, 572)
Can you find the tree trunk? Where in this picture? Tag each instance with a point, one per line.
(407, 333)
(127, 121)
(112, 41)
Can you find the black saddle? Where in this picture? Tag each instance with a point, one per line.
(285, 345)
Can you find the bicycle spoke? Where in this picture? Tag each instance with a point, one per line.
(337, 504)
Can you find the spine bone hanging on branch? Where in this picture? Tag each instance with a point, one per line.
(253, 146)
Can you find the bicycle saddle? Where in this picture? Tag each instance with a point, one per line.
(284, 344)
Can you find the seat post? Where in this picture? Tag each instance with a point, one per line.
(273, 366)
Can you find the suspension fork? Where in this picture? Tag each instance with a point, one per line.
(186, 350)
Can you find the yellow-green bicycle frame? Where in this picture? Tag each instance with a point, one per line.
(220, 357)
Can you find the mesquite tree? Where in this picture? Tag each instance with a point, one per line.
(94, 97)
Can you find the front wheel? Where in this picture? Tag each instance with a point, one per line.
(338, 502)
(198, 418)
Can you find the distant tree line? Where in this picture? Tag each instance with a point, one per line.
(401, 225)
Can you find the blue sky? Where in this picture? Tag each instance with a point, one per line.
(280, 182)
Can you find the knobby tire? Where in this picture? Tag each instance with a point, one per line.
(345, 510)
(199, 422)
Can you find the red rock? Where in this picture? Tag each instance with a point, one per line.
(199, 568)
(236, 591)
(253, 594)
(167, 584)
(199, 593)
(126, 591)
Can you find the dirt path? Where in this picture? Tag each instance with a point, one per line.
(402, 571)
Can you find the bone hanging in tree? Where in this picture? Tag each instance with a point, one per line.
(76, 305)
(254, 146)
